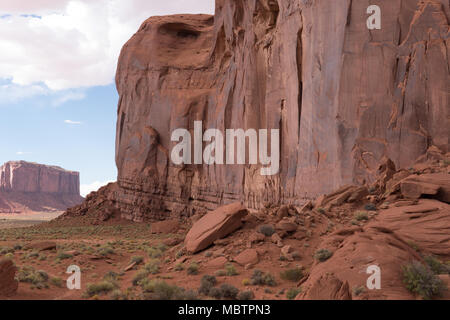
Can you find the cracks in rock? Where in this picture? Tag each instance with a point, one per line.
(349, 13)
(300, 77)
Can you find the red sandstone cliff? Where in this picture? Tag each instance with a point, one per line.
(342, 96)
(28, 186)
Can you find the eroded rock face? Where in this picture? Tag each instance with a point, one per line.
(28, 186)
(21, 176)
(435, 185)
(342, 96)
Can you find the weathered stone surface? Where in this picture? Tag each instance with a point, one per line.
(256, 237)
(276, 238)
(21, 176)
(167, 226)
(218, 262)
(342, 195)
(436, 185)
(214, 226)
(327, 287)
(421, 209)
(173, 241)
(99, 206)
(28, 186)
(42, 246)
(286, 225)
(390, 241)
(344, 98)
(246, 257)
(8, 285)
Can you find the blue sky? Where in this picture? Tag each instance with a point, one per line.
(35, 129)
(58, 58)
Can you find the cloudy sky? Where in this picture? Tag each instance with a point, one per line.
(57, 64)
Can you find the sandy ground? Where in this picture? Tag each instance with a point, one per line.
(103, 250)
(26, 219)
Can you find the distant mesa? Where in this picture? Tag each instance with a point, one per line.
(30, 187)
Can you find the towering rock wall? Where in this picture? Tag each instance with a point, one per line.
(28, 186)
(21, 176)
(342, 96)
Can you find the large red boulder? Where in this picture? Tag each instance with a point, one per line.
(247, 257)
(215, 225)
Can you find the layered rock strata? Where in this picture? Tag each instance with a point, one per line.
(26, 186)
(343, 97)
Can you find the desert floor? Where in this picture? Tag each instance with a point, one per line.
(26, 220)
(105, 255)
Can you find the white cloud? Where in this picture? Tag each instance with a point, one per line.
(35, 6)
(22, 153)
(73, 122)
(68, 96)
(74, 43)
(86, 189)
(11, 93)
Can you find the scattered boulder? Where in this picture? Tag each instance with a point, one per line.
(165, 227)
(256, 237)
(219, 252)
(130, 267)
(282, 212)
(171, 242)
(286, 250)
(222, 242)
(386, 171)
(287, 253)
(73, 252)
(42, 246)
(358, 195)
(276, 238)
(218, 262)
(345, 194)
(8, 283)
(214, 226)
(306, 207)
(300, 235)
(247, 257)
(286, 225)
(181, 260)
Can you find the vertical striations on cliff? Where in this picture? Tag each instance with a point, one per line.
(26, 186)
(344, 97)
